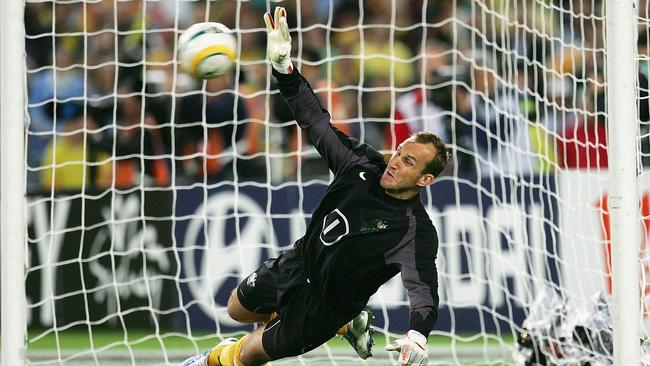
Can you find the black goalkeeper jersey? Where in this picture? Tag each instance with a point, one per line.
(359, 237)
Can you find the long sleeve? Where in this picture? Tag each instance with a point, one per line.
(338, 149)
(416, 256)
(423, 289)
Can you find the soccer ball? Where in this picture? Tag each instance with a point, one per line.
(207, 50)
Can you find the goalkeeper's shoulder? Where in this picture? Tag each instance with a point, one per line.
(424, 223)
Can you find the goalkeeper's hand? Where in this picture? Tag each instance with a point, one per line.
(412, 348)
(278, 40)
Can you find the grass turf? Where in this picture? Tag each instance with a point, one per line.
(75, 339)
(78, 347)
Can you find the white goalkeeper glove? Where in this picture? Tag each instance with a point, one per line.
(278, 41)
(412, 349)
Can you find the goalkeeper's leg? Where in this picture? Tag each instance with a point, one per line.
(247, 351)
(256, 298)
(304, 323)
(239, 313)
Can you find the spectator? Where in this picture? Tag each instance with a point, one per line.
(305, 153)
(507, 118)
(503, 115)
(46, 88)
(210, 130)
(584, 145)
(65, 158)
(423, 108)
(252, 95)
(383, 60)
(38, 29)
(137, 148)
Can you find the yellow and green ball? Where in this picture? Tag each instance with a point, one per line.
(207, 50)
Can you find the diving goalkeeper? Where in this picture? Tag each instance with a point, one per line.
(369, 226)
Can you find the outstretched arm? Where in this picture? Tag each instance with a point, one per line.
(338, 149)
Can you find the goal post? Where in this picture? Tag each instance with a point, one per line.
(624, 208)
(12, 184)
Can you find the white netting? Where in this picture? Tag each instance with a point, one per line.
(151, 194)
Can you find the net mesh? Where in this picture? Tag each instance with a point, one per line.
(151, 194)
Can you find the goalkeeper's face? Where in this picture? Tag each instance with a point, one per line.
(404, 174)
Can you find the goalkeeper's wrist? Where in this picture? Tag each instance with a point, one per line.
(285, 67)
(417, 337)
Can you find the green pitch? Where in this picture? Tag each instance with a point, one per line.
(111, 348)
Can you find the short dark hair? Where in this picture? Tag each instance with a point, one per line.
(439, 161)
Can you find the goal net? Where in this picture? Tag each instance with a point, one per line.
(152, 194)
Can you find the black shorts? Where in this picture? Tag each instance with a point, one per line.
(304, 321)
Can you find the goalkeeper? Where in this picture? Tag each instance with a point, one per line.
(369, 226)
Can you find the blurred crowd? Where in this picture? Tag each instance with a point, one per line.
(514, 88)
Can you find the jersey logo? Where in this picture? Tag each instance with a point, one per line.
(362, 175)
(251, 279)
(335, 226)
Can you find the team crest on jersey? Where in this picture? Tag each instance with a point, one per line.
(381, 224)
(374, 226)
